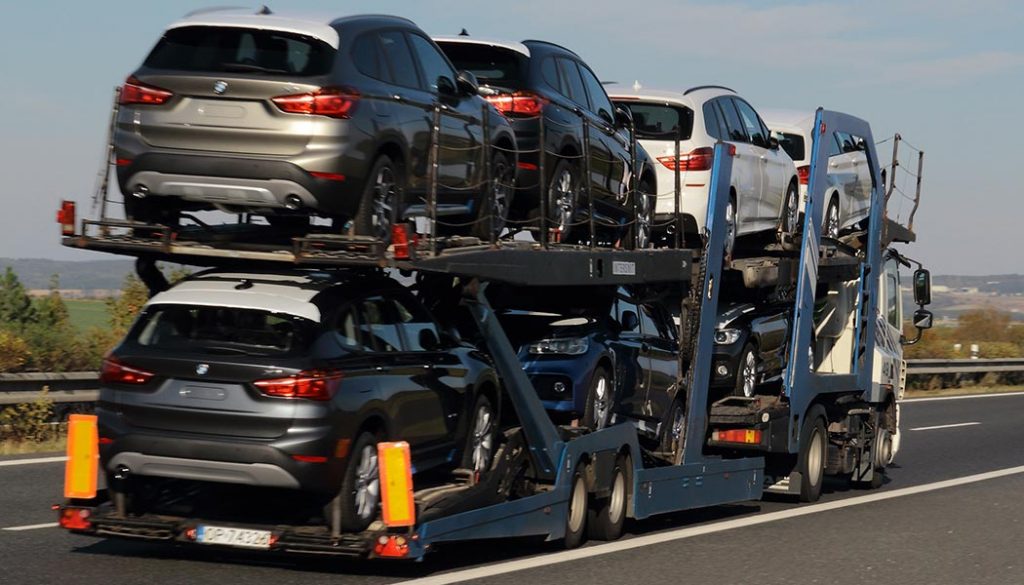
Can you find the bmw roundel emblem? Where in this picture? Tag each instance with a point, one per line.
(201, 369)
(220, 87)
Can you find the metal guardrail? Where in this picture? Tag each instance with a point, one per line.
(83, 386)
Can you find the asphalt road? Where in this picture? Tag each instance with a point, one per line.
(919, 528)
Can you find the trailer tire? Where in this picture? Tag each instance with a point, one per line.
(576, 516)
(813, 452)
(607, 516)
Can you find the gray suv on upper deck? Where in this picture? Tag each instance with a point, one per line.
(289, 117)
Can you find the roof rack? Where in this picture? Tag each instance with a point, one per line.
(699, 87)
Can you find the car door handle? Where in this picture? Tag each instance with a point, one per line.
(645, 346)
(398, 98)
(764, 158)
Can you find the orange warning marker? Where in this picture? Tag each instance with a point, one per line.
(83, 450)
(396, 493)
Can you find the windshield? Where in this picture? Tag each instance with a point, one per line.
(490, 65)
(221, 331)
(661, 122)
(232, 49)
(793, 144)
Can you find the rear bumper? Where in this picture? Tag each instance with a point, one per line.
(258, 474)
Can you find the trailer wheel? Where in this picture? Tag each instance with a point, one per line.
(576, 519)
(607, 516)
(360, 490)
(813, 451)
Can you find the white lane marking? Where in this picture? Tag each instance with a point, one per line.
(31, 461)
(962, 397)
(661, 538)
(951, 426)
(30, 527)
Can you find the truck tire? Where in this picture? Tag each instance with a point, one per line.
(813, 452)
(576, 516)
(607, 516)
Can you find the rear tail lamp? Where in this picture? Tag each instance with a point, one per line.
(400, 241)
(75, 518)
(522, 103)
(803, 174)
(66, 218)
(114, 371)
(309, 384)
(697, 160)
(333, 102)
(135, 92)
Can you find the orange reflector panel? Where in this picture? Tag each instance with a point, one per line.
(83, 450)
(397, 503)
(746, 436)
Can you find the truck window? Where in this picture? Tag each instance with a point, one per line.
(892, 294)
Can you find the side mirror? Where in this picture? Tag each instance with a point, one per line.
(923, 319)
(773, 143)
(467, 83)
(623, 117)
(922, 287)
(428, 339)
(629, 321)
(446, 87)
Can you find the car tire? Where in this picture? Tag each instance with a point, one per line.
(360, 488)
(638, 236)
(492, 217)
(791, 210)
(674, 428)
(381, 198)
(600, 400)
(730, 228)
(746, 373)
(481, 436)
(830, 221)
(607, 516)
(813, 454)
(563, 194)
(576, 515)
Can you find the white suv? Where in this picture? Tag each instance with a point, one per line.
(848, 195)
(764, 188)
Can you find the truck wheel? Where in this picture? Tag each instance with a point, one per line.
(746, 374)
(607, 516)
(481, 437)
(360, 490)
(378, 207)
(813, 451)
(576, 518)
(600, 397)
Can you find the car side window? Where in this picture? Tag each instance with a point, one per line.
(599, 102)
(733, 124)
(434, 64)
(346, 329)
(549, 71)
(752, 124)
(368, 59)
(713, 121)
(834, 147)
(378, 322)
(413, 320)
(399, 57)
(572, 83)
(653, 323)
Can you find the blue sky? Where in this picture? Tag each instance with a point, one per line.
(946, 74)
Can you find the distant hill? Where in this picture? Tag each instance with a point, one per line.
(35, 273)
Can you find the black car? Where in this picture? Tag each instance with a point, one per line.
(289, 116)
(287, 381)
(537, 82)
(750, 347)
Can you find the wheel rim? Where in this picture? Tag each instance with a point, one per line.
(383, 203)
(643, 220)
(678, 424)
(617, 505)
(367, 483)
(577, 506)
(792, 209)
(563, 199)
(814, 462)
(601, 403)
(730, 228)
(500, 196)
(749, 374)
(483, 440)
(832, 221)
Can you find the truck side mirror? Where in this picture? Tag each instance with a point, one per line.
(922, 287)
(923, 319)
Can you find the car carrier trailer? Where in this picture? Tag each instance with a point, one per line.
(553, 481)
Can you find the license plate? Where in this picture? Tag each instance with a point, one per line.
(241, 537)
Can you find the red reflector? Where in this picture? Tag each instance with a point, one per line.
(526, 166)
(135, 92)
(328, 176)
(522, 103)
(123, 162)
(106, 441)
(66, 218)
(114, 371)
(309, 384)
(697, 160)
(333, 102)
(803, 174)
(391, 546)
(309, 458)
(75, 519)
(400, 241)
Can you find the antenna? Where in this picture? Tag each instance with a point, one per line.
(636, 85)
(464, 33)
(264, 10)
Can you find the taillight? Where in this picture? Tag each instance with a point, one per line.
(114, 371)
(697, 160)
(803, 174)
(522, 103)
(310, 384)
(66, 218)
(136, 92)
(332, 102)
(400, 241)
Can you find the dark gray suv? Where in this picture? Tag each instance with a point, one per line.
(289, 117)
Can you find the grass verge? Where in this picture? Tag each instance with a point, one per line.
(56, 445)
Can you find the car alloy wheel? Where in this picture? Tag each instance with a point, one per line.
(562, 198)
(384, 198)
(643, 218)
(730, 228)
(748, 373)
(483, 437)
(601, 401)
(792, 210)
(367, 484)
(493, 215)
(831, 227)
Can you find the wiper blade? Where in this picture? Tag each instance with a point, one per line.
(220, 349)
(247, 67)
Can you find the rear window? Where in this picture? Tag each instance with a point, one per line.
(221, 331)
(793, 144)
(659, 121)
(490, 65)
(240, 50)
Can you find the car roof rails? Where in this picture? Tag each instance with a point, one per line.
(699, 87)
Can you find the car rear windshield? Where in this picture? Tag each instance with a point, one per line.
(221, 331)
(491, 65)
(658, 121)
(241, 50)
(793, 144)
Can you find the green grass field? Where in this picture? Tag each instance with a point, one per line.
(87, 313)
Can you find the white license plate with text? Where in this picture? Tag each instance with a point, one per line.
(228, 536)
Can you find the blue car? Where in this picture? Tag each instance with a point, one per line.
(607, 358)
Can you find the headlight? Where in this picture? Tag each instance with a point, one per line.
(726, 336)
(570, 346)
